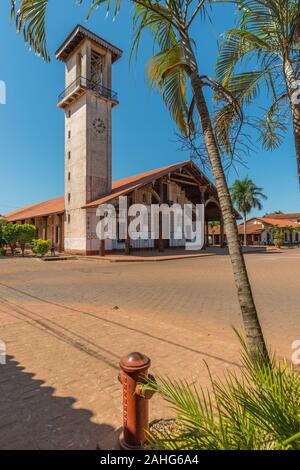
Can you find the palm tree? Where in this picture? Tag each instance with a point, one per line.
(175, 72)
(267, 36)
(246, 196)
(277, 234)
(212, 225)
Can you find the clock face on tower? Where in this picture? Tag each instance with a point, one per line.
(98, 126)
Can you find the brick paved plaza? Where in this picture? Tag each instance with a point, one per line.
(66, 324)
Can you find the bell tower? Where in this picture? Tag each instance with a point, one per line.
(87, 102)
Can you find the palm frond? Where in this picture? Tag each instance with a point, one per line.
(166, 72)
(30, 19)
(255, 409)
(273, 125)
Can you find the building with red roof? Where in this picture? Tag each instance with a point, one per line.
(259, 230)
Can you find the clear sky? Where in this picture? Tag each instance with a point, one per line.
(32, 128)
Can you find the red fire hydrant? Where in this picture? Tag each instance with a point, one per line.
(134, 373)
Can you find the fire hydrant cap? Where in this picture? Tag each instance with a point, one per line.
(135, 361)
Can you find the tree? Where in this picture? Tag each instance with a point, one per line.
(10, 235)
(246, 196)
(272, 213)
(212, 225)
(174, 71)
(25, 234)
(266, 36)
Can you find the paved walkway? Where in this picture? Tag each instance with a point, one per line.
(67, 324)
(140, 256)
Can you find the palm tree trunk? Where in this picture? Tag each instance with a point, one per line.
(248, 309)
(245, 230)
(296, 129)
(294, 97)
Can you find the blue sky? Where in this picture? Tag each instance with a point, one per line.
(32, 128)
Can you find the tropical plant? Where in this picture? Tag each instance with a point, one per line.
(256, 408)
(2, 251)
(10, 235)
(246, 196)
(40, 247)
(213, 224)
(25, 234)
(277, 234)
(267, 41)
(2, 241)
(174, 71)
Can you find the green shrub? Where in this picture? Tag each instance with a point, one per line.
(278, 242)
(257, 408)
(40, 247)
(25, 234)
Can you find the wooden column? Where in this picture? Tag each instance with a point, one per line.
(127, 240)
(102, 248)
(161, 247)
(206, 234)
(45, 226)
(203, 201)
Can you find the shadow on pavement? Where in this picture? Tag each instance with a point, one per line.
(32, 417)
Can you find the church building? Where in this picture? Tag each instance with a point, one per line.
(87, 102)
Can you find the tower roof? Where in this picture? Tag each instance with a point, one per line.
(80, 33)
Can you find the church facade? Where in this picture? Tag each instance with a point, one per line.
(87, 102)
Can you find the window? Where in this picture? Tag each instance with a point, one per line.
(69, 218)
(69, 113)
(69, 176)
(69, 197)
(69, 134)
(69, 155)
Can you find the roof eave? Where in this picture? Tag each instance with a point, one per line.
(76, 36)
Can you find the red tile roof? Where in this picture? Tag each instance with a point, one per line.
(119, 188)
(281, 223)
(255, 229)
(258, 228)
(53, 206)
(293, 215)
(252, 229)
(131, 183)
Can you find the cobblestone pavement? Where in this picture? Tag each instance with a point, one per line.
(66, 324)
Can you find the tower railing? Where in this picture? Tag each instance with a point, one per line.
(84, 83)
